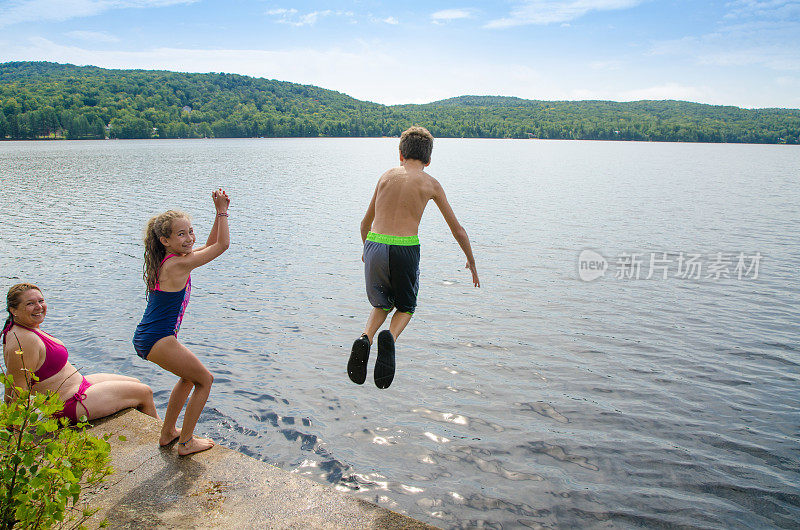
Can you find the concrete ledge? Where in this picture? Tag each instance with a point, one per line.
(154, 488)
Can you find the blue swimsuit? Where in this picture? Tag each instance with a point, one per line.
(162, 317)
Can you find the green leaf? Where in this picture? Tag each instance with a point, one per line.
(50, 426)
(47, 461)
(67, 475)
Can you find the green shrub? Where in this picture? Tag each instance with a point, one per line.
(44, 463)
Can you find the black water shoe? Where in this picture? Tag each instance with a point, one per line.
(384, 365)
(357, 365)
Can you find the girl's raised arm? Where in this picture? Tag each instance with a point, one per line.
(212, 236)
(218, 241)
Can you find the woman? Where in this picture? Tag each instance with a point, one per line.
(93, 396)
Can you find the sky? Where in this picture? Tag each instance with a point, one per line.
(734, 52)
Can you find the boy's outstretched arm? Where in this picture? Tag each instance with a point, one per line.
(456, 229)
(366, 222)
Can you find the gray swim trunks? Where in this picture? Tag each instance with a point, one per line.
(391, 271)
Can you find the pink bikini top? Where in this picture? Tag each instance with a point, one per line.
(55, 354)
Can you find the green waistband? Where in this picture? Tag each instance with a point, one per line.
(405, 241)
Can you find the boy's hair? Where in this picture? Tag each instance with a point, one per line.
(154, 252)
(416, 143)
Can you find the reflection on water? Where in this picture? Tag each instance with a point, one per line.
(537, 401)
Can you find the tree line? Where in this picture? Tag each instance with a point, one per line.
(42, 100)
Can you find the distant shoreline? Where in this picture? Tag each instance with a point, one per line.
(41, 99)
(43, 140)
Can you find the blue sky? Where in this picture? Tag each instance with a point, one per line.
(735, 52)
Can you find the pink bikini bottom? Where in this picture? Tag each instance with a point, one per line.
(70, 410)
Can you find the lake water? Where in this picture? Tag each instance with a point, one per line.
(537, 400)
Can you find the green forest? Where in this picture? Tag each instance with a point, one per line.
(43, 100)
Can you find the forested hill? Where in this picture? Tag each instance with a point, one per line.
(49, 100)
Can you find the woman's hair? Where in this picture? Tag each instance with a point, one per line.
(13, 300)
(154, 252)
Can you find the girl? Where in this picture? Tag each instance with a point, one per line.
(168, 261)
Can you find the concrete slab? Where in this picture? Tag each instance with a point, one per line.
(154, 488)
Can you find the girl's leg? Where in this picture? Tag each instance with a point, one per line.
(173, 409)
(173, 356)
(104, 398)
(177, 399)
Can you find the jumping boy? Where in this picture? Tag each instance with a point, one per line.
(391, 251)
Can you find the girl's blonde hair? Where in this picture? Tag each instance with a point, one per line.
(154, 252)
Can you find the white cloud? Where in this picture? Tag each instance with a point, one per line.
(281, 11)
(292, 17)
(543, 12)
(392, 21)
(605, 65)
(758, 33)
(17, 11)
(364, 70)
(96, 36)
(446, 15)
(673, 47)
(309, 19)
(775, 9)
(774, 58)
(763, 43)
(786, 81)
(667, 91)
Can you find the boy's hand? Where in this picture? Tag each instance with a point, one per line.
(475, 281)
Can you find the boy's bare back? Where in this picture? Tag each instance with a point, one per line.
(400, 199)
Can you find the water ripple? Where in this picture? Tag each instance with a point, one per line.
(538, 401)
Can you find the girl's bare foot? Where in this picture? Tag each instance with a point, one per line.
(194, 445)
(169, 437)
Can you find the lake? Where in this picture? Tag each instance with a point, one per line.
(662, 393)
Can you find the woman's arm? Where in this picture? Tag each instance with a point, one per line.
(23, 356)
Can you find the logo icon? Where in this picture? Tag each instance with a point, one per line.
(591, 265)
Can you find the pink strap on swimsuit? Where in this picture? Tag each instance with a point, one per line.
(158, 273)
(55, 358)
(55, 354)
